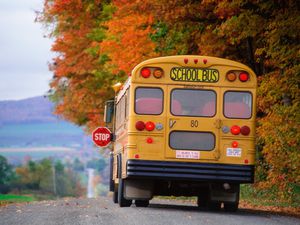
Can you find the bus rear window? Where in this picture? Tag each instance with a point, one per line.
(238, 105)
(148, 101)
(187, 140)
(189, 102)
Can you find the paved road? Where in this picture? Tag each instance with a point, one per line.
(103, 211)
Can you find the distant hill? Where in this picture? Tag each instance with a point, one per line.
(36, 109)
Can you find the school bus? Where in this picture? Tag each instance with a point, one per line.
(183, 126)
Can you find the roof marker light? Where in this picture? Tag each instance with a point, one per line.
(186, 61)
(195, 61)
(204, 61)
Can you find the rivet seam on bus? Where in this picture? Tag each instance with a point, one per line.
(204, 61)
(186, 61)
(195, 61)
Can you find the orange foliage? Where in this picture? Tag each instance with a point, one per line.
(129, 30)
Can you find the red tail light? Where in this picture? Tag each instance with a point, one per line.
(149, 126)
(149, 140)
(145, 72)
(235, 130)
(245, 130)
(244, 76)
(234, 144)
(140, 125)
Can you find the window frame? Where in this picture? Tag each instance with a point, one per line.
(238, 91)
(216, 98)
(146, 87)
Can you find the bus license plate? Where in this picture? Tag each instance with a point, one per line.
(187, 155)
(234, 152)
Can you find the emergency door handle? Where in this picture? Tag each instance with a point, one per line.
(218, 123)
(171, 123)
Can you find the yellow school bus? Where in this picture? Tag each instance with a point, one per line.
(183, 126)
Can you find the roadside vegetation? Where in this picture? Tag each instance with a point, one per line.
(47, 179)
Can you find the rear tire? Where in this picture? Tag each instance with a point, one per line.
(214, 206)
(231, 207)
(121, 200)
(141, 203)
(115, 195)
(203, 199)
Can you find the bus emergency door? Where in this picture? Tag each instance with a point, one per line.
(193, 124)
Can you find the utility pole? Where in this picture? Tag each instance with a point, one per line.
(54, 178)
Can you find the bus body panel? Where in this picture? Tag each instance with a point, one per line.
(193, 151)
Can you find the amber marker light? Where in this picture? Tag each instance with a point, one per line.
(158, 73)
(231, 76)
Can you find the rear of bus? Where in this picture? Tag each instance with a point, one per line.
(191, 130)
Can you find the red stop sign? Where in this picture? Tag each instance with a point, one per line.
(102, 136)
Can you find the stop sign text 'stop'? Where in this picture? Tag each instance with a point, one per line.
(102, 136)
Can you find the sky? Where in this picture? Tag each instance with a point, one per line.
(24, 52)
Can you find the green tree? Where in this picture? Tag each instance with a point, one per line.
(7, 175)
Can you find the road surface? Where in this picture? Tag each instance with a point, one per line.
(103, 211)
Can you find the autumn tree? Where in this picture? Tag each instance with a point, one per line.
(99, 42)
(81, 78)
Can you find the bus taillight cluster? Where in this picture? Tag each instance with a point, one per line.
(232, 76)
(146, 72)
(149, 126)
(236, 130)
(140, 125)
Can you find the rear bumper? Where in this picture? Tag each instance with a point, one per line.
(210, 172)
